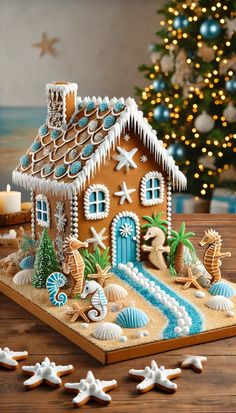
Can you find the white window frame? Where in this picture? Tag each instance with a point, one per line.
(143, 189)
(96, 215)
(42, 198)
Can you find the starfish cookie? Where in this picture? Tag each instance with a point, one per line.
(8, 358)
(79, 312)
(46, 372)
(155, 376)
(91, 388)
(101, 275)
(193, 362)
(189, 280)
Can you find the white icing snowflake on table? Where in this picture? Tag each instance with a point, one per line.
(46, 371)
(126, 137)
(155, 376)
(125, 159)
(125, 193)
(125, 230)
(143, 158)
(8, 358)
(97, 238)
(230, 25)
(60, 216)
(91, 388)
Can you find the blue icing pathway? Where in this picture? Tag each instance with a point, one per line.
(169, 331)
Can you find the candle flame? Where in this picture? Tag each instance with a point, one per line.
(8, 188)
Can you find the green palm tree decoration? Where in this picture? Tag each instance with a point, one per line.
(93, 258)
(155, 221)
(177, 242)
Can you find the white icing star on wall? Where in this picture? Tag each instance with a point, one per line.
(125, 159)
(97, 238)
(126, 137)
(143, 158)
(125, 193)
(230, 25)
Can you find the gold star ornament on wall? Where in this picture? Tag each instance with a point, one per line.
(46, 45)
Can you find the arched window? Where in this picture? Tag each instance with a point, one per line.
(152, 189)
(42, 211)
(96, 202)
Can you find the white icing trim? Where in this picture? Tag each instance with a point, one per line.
(42, 198)
(74, 227)
(143, 189)
(96, 215)
(169, 210)
(33, 224)
(113, 234)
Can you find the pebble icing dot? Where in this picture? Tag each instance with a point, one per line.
(25, 161)
(90, 106)
(87, 150)
(75, 167)
(47, 169)
(109, 121)
(54, 134)
(60, 170)
(118, 107)
(43, 130)
(35, 146)
(83, 122)
(103, 107)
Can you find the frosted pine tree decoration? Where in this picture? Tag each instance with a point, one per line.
(45, 263)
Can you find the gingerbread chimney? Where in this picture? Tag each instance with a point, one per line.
(61, 103)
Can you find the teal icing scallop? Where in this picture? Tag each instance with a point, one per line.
(43, 130)
(109, 121)
(132, 317)
(75, 167)
(103, 107)
(222, 288)
(27, 262)
(47, 169)
(83, 122)
(60, 170)
(25, 161)
(35, 146)
(118, 107)
(54, 134)
(90, 106)
(87, 150)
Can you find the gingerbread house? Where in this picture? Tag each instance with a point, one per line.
(94, 170)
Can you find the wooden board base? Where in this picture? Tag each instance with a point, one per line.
(108, 357)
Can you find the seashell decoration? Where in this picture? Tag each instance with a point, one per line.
(131, 317)
(220, 303)
(115, 292)
(107, 331)
(27, 262)
(23, 277)
(222, 288)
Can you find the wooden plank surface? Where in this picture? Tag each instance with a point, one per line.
(212, 391)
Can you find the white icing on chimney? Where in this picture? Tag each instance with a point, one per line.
(61, 103)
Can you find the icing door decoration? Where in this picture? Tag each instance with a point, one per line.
(125, 238)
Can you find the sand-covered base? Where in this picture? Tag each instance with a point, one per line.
(157, 321)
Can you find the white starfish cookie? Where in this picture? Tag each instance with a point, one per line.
(91, 388)
(193, 362)
(47, 372)
(155, 376)
(9, 358)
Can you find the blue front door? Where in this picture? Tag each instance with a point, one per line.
(126, 236)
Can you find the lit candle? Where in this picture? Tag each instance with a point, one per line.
(10, 201)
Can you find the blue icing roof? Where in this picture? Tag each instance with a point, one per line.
(25, 160)
(109, 121)
(87, 150)
(35, 146)
(54, 134)
(118, 107)
(103, 107)
(60, 170)
(83, 122)
(75, 167)
(43, 130)
(90, 106)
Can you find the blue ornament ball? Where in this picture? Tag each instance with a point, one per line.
(230, 85)
(177, 151)
(159, 85)
(210, 29)
(180, 22)
(161, 113)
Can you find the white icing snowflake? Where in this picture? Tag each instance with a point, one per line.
(60, 216)
(125, 159)
(125, 193)
(59, 246)
(97, 238)
(126, 137)
(125, 230)
(143, 158)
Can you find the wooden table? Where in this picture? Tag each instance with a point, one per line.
(212, 391)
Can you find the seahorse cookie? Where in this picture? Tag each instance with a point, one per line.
(91, 389)
(98, 300)
(192, 362)
(9, 359)
(46, 372)
(155, 376)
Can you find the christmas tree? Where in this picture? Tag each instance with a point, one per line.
(45, 261)
(191, 96)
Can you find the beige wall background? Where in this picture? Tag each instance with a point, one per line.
(101, 44)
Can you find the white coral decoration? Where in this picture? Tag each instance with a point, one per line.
(60, 216)
(126, 230)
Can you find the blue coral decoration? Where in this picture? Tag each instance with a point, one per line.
(25, 161)
(222, 288)
(35, 146)
(54, 283)
(87, 150)
(54, 134)
(109, 121)
(27, 263)
(43, 130)
(83, 122)
(118, 107)
(75, 167)
(60, 170)
(90, 106)
(103, 107)
(132, 317)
